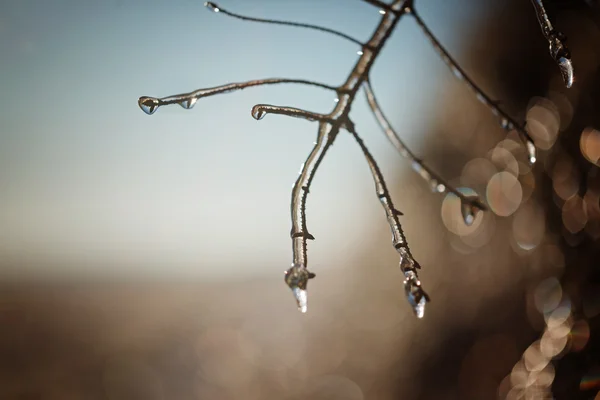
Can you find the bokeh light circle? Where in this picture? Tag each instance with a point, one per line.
(529, 226)
(589, 144)
(504, 193)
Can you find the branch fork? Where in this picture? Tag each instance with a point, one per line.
(329, 126)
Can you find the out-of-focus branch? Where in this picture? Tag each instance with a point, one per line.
(506, 121)
(436, 182)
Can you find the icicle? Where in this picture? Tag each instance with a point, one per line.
(297, 278)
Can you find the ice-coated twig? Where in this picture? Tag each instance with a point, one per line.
(187, 100)
(415, 294)
(506, 121)
(297, 276)
(299, 233)
(436, 182)
(260, 110)
(216, 8)
(556, 41)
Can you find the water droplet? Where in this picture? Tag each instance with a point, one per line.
(457, 73)
(469, 212)
(382, 12)
(504, 123)
(359, 52)
(188, 103)
(258, 113)
(148, 104)
(336, 100)
(531, 152)
(435, 185)
(297, 278)
(566, 70)
(212, 6)
(417, 298)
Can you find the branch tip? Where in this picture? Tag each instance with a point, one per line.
(212, 6)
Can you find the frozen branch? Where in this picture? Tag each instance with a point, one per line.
(556, 41)
(470, 204)
(330, 125)
(297, 276)
(187, 100)
(506, 121)
(415, 294)
(216, 8)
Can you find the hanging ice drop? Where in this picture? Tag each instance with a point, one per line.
(258, 113)
(566, 70)
(188, 103)
(531, 152)
(148, 104)
(469, 211)
(416, 296)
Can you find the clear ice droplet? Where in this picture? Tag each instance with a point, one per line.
(301, 299)
(297, 278)
(258, 113)
(212, 6)
(188, 103)
(566, 70)
(148, 104)
(469, 212)
(419, 308)
(416, 296)
(435, 185)
(531, 152)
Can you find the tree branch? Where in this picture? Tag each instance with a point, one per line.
(415, 294)
(330, 124)
(506, 121)
(216, 8)
(436, 182)
(187, 100)
(295, 277)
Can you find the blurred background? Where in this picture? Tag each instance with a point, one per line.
(142, 257)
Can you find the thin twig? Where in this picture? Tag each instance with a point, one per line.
(296, 277)
(187, 100)
(435, 181)
(415, 294)
(216, 8)
(506, 121)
